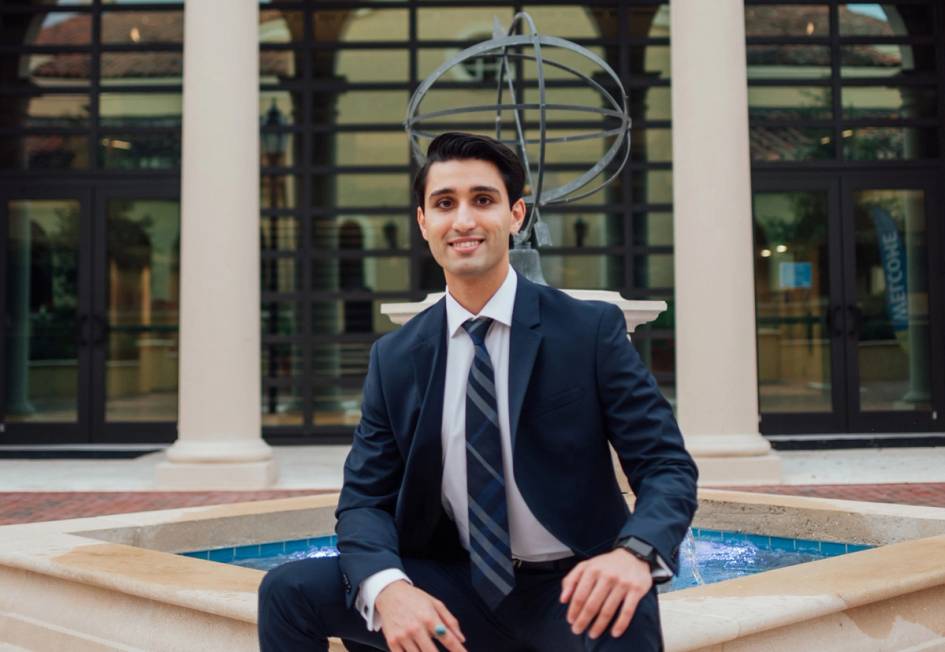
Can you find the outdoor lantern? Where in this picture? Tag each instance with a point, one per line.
(274, 142)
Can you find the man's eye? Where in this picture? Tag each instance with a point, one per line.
(484, 199)
(444, 203)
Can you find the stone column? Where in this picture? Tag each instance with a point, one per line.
(716, 368)
(219, 444)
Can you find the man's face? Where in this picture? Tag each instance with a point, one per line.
(466, 217)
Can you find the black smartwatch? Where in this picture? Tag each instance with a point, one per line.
(639, 549)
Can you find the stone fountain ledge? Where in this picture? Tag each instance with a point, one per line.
(112, 582)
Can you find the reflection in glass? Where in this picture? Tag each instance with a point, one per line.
(52, 28)
(594, 272)
(889, 143)
(890, 102)
(652, 228)
(134, 27)
(787, 20)
(281, 406)
(44, 152)
(151, 68)
(45, 110)
(362, 232)
(350, 316)
(792, 295)
(280, 274)
(892, 299)
(350, 190)
(140, 109)
(360, 107)
(789, 102)
(335, 405)
(278, 233)
(884, 19)
(140, 151)
(143, 300)
(278, 191)
(356, 274)
(278, 66)
(281, 26)
(653, 271)
(790, 143)
(467, 23)
(43, 324)
(357, 66)
(50, 70)
(886, 60)
(280, 317)
(584, 229)
(361, 25)
(788, 61)
(652, 187)
(655, 145)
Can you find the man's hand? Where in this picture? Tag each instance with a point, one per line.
(601, 585)
(409, 617)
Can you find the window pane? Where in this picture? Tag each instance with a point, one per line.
(279, 233)
(287, 112)
(281, 406)
(281, 26)
(280, 318)
(152, 68)
(44, 152)
(350, 316)
(654, 102)
(573, 21)
(654, 145)
(362, 148)
(882, 60)
(51, 70)
(45, 110)
(650, 61)
(788, 62)
(278, 148)
(789, 102)
(884, 19)
(360, 107)
(787, 20)
(140, 109)
(335, 405)
(590, 229)
(652, 228)
(128, 27)
(790, 144)
(278, 66)
(140, 151)
(888, 143)
(362, 232)
(653, 271)
(652, 187)
(360, 24)
(369, 274)
(358, 66)
(466, 24)
(583, 272)
(889, 102)
(279, 359)
(347, 190)
(50, 28)
(278, 191)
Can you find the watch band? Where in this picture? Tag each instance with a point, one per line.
(639, 549)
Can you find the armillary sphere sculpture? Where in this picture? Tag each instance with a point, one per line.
(506, 47)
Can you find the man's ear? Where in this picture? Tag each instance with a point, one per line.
(421, 221)
(518, 214)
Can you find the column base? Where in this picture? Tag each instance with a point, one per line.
(212, 476)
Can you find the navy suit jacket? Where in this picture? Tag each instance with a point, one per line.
(575, 384)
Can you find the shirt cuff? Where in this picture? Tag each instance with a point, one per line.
(370, 588)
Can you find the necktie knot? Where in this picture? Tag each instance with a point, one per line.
(477, 329)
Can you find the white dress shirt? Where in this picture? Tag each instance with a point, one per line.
(530, 541)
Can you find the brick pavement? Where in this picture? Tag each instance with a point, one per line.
(28, 507)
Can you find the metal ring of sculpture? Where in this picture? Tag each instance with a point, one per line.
(499, 47)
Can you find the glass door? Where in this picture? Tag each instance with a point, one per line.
(137, 304)
(893, 301)
(45, 255)
(848, 289)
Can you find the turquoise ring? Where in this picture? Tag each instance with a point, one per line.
(439, 630)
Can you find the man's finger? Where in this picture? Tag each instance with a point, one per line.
(452, 627)
(570, 581)
(607, 611)
(580, 595)
(424, 642)
(592, 606)
(626, 614)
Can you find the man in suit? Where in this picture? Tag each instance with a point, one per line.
(480, 509)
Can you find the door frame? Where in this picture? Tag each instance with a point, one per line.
(53, 432)
(846, 417)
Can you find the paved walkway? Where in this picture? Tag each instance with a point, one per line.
(42, 490)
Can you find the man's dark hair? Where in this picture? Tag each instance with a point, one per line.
(453, 146)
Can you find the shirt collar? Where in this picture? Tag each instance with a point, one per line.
(498, 307)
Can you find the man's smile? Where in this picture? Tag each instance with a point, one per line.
(466, 245)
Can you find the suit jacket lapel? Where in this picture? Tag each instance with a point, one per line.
(524, 343)
(428, 357)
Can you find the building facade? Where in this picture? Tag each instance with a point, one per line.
(844, 127)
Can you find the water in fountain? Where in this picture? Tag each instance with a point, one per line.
(689, 550)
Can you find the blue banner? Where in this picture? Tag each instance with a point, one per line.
(892, 252)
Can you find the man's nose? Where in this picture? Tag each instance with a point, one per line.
(465, 219)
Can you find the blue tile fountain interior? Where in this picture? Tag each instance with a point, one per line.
(719, 555)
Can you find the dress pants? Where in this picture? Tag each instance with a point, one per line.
(302, 603)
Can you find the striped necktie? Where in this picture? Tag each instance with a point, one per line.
(489, 549)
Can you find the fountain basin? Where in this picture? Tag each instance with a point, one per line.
(114, 582)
